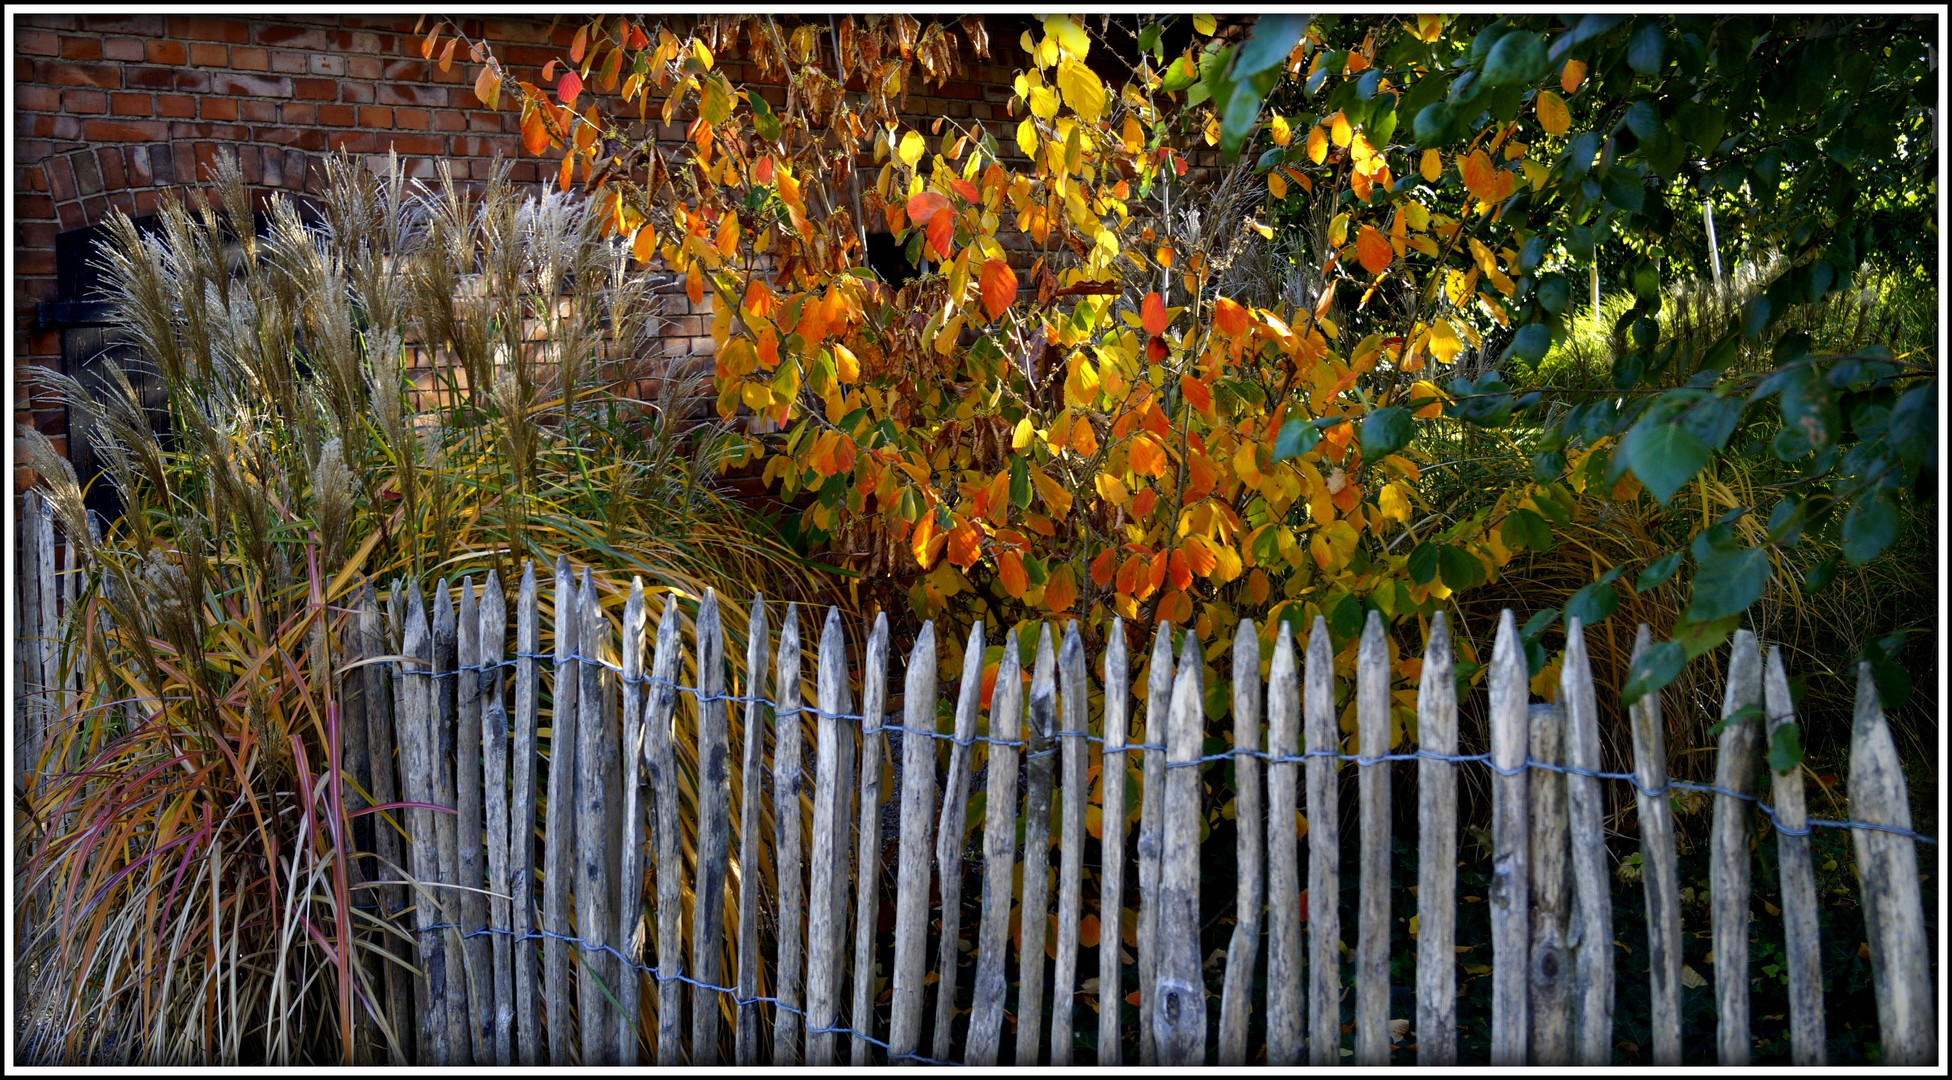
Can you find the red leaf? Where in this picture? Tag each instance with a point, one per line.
(1101, 568)
(941, 230)
(1197, 393)
(924, 205)
(1152, 314)
(568, 87)
(966, 189)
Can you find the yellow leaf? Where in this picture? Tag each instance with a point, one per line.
(1432, 166)
(1027, 137)
(1392, 503)
(1070, 37)
(1247, 464)
(912, 148)
(1444, 342)
(846, 367)
(1082, 89)
(1277, 186)
(1055, 497)
(1131, 135)
(727, 240)
(1205, 24)
(1020, 438)
(1554, 117)
(1339, 131)
(1279, 131)
(1112, 489)
(1318, 145)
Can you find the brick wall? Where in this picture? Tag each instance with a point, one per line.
(112, 109)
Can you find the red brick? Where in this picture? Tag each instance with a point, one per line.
(58, 74)
(288, 63)
(337, 115)
(273, 166)
(79, 48)
(88, 173)
(298, 112)
(225, 82)
(353, 142)
(35, 262)
(123, 48)
(36, 207)
(125, 130)
(257, 111)
(143, 25)
(166, 52)
(315, 89)
(364, 67)
(60, 179)
(176, 106)
(450, 121)
(375, 116)
(30, 152)
(145, 202)
(37, 43)
(200, 28)
(293, 37)
(217, 109)
(356, 41)
(307, 139)
(412, 119)
(84, 102)
(109, 160)
(196, 82)
(244, 59)
(37, 98)
(136, 166)
(131, 105)
(204, 54)
(152, 78)
(71, 218)
(398, 94)
(356, 93)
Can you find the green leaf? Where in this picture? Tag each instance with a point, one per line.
(1297, 437)
(1663, 455)
(1809, 407)
(1460, 569)
(1755, 317)
(1273, 38)
(1243, 107)
(1869, 528)
(1516, 59)
(1386, 431)
(1525, 529)
(1646, 48)
(1819, 577)
(1539, 623)
(1149, 37)
(1913, 425)
(1531, 343)
(1592, 603)
(1653, 669)
(1657, 572)
(1422, 563)
(1019, 480)
(1345, 619)
(1696, 638)
(1727, 582)
(1179, 75)
(1786, 747)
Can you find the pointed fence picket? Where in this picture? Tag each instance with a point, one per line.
(431, 718)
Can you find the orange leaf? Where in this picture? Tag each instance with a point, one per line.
(925, 543)
(568, 87)
(1572, 75)
(1131, 575)
(1147, 456)
(1228, 317)
(645, 244)
(578, 44)
(487, 87)
(941, 232)
(1009, 569)
(549, 71)
(1197, 393)
(1156, 572)
(999, 287)
(1061, 591)
(427, 45)
(694, 284)
(1179, 571)
(965, 545)
(447, 54)
(535, 136)
(562, 175)
(1480, 177)
(1152, 314)
(1373, 250)
(1101, 568)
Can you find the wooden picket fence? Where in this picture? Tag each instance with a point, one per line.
(628, 937)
